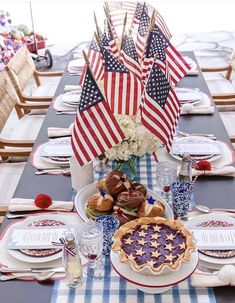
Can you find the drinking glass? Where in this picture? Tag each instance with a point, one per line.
(181, 197)
(90, 240)
(166, 173)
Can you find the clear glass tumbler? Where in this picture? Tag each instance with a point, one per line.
(90, 239)
(166, 173)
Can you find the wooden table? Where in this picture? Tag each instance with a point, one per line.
(214, 192)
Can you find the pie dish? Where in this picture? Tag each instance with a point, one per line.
(153, 245)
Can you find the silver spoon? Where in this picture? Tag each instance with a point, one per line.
(203, 209)
(41, 276)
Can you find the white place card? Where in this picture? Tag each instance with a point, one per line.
(214, 238)
(179, 148)
(34, 238)
(57, 151)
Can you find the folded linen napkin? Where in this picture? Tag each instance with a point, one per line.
(190, 109)
(19, 204)
(56, 132)
(193, 72)
(70, 88)
(226, 171)
(225, 276)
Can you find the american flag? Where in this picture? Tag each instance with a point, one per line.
(95, 129)
(129, 55)
(160, 107)
(158, 44)
(143, 32)
(122, 88)
(138, 13)
(161, 24)
(96, 62)
(117, 12)
(110, 39)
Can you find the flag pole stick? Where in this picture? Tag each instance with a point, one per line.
(132, 21)
(123, 32)
(96, 24)
(151, 27)
(109, 19)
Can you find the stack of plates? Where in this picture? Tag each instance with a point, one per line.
(38, 255)
(76, 66)
(214, 259)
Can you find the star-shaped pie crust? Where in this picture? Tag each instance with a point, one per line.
(182, 245)
(151, 263)
(170, 237)
(169, 258)
(155, 244)
(169, 247)
(155, 254)
(128, 241)
(141, 242)
(139, 252)
(157, 228)
(131, 257)
(155, 236)
(142, 233)
(130, 231)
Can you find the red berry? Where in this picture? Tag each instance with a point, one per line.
(166, 189)
(203, 165)
(43, 201)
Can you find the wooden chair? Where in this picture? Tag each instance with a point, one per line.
(225, 103)
(26, 128)
(219, 79)
(21, 70)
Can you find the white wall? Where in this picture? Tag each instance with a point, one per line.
(72, 21)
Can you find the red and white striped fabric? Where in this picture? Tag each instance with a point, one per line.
(160, 23)
(96, 62)
(95, 129)
(160, 108)
(111, 41)
(122, 88)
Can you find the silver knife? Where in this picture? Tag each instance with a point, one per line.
(31, 270)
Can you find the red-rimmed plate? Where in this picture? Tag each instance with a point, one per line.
(153, 284)
(221, 257)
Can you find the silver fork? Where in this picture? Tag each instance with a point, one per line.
(185, 134)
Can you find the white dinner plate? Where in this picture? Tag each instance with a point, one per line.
(65, 141)
(153, 284)
(17, 254)
(198, 139)
(205, 258)
(189, 95)
(83, 195)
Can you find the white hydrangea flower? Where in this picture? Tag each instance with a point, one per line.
(138, 140)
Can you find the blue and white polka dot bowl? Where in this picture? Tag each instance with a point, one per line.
(110, 225)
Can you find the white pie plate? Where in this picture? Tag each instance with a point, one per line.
(30, 259)
(212, 261)
(153, 284)
(199, 139)
(82, 196)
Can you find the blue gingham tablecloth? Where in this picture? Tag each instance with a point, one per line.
(114, 289)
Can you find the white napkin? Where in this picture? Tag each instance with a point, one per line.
(190, 109)
(70, 88)
(18, 204)
(225, 276)
(193, 72)
(226, 171)
(56, 132)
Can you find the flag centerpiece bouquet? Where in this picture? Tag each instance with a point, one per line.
(136, 107)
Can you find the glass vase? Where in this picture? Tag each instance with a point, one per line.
(128, 167)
